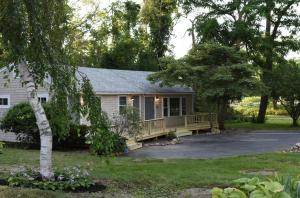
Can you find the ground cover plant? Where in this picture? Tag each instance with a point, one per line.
(71, 178)
(253, 188)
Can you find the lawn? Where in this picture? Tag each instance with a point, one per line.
(148, 177)
(272, 123)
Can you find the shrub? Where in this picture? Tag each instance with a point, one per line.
(1, 147)
(106, 142)
(171, 135)
(68, 179)
(127, 123)
(76, 138)
(249, 107)
(253, 188)
(20, 119)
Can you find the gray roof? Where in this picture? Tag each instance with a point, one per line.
(126, 81)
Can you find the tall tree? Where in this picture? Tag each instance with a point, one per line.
(159, 16)
(34, 34)
(217, 73)
(266, 29)
(285, 83)
(114, 37)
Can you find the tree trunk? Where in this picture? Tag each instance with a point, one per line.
(295, 121)
(222, 110)
(275, 106)
(262, 109)
(268, 65)
(41, 120)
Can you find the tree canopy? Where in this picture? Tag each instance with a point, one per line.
(216, 72)
(266, 30)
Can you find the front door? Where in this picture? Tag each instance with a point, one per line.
(149, 108)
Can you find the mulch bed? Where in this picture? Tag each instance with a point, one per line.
(3, 182)
(97, 187)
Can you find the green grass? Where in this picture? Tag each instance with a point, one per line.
(149, 177)
(272, 123)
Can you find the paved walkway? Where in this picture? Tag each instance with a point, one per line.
(222, 145)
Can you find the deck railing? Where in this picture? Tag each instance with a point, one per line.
(200, 118)
(156, 127)
(153, 126)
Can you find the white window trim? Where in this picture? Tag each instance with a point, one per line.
(145, 107)
(8, 102)
(120, 104)
(43, 95)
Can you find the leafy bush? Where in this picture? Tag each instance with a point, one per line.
(253, 188)
(68, 179)
(171, 135)
(20, 119)
(127, 123)
(1, 147)
(75, 139)
(106, 142)
(249, 107)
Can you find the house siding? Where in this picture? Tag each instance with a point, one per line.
(13, 87)
(110, 104)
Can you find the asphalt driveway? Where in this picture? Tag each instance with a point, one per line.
(222, 145)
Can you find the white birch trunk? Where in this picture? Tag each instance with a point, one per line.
(42, 121)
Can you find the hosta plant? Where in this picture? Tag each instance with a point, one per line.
(67, 179)
(252, 188)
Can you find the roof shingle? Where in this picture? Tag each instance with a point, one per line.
(126, 81)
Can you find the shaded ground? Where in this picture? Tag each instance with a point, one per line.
(222, 145)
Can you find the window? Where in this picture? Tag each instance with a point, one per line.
(42, 97)
(183, 106)
(166, 107)
(136, 103)
(122, 103)
(4, 101)
(174, 106)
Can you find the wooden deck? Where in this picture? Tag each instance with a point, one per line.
(182, 126)
(195, 122)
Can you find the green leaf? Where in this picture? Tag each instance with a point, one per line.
(274, 186)
(282, 195)
(259, 194)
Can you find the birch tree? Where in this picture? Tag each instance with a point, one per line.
(35, 33)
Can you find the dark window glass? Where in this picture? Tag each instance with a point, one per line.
(3, 101)
(166, 107)
(183, 106)
(174, 106)
(42, 99)
(122, 103)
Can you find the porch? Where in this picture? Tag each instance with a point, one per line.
(178, 124)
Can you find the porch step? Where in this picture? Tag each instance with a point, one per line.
(133, 145)
(183, 133)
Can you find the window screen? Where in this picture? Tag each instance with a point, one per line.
(174, 106)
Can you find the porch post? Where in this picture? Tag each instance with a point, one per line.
(185, 121)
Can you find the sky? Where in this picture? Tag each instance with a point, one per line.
(181, 41)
